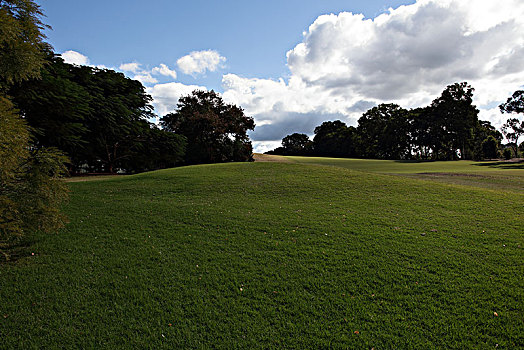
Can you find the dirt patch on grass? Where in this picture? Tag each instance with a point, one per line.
(259, 157)
(450, 174)
(91, 178)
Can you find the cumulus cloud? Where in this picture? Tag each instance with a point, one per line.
(198, 62)
(145, 78)
(346, 63)
(165, 96)
(133, 67)
(164, 70)
(73, 57)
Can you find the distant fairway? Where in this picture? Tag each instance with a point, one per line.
(496, 175)
(278, 255)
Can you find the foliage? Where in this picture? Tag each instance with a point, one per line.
(97, 116)
(514, 104)
(268, 255)
(384, 132)
(55, 106)
(455, 118)
(490, 147)
(215, 131)
(31, 188)
(507, 154)
(157, 149)
(21, 41)
(30, 179)
(297, 144)
(513, 128)
(335, 139)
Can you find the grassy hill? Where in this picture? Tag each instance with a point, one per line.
(277, 255)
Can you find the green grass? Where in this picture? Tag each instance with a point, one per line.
(267, 255)
(495, 175)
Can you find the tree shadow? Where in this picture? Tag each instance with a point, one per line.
(502, 165)
(10, 253)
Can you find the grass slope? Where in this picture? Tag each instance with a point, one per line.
(267, 255)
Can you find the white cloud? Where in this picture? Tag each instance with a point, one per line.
(165, 96)
(345, 63)
(73, 57)
(133, 67)
(145, 78)
(198, 62)
(164, 70)
(264, 146)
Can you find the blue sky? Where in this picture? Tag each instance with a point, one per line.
(293, 64)
(254, 36)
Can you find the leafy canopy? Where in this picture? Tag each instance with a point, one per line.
(215, 131)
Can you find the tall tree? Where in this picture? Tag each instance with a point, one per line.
(384, 132)
(455, 117)
(513, 128)
(30, 188)
(215, 131)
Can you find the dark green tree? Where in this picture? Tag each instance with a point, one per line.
(486, 141)
(55, 106)
(454, 117)
(158, 149)
(384, 132)
(424, 135)
(297, 144)
(215, 131)
(334, 139)
(490, 148)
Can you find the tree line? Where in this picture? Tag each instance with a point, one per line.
(101, 120)
(447, 129)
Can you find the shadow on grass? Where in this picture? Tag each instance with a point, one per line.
(502, 165)
(10, 253)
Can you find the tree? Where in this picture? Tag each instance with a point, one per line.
(55, 106)
(513, 129)
(215, 131)
(30, 186)
(157, 149)
(97, 116)
(384, 132)
(22, 46)
(334, 139)
(490, 147)
(454, 117)
(297, 144)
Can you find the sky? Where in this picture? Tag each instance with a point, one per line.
(294, 64)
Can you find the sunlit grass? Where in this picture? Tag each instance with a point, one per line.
(267, 255)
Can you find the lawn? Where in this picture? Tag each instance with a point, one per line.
(274, 255)
(495, 175)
